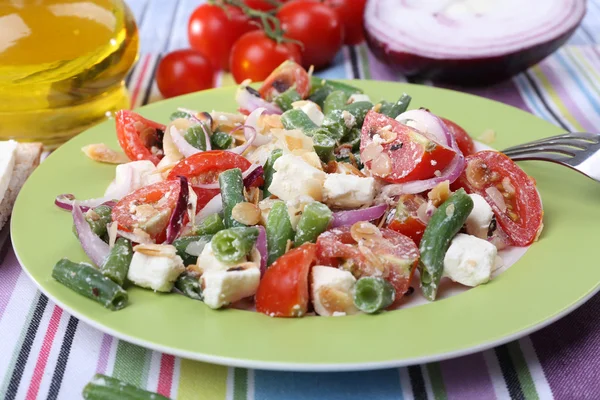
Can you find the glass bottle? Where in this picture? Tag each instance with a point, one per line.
(62, 65)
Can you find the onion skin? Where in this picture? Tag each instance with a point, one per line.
(466, 71)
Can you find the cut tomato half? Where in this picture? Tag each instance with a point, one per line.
(140, 138)
(406, 220)
(463, 140)
(287, 75)
(397, 153)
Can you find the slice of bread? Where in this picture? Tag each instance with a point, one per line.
(27, 158)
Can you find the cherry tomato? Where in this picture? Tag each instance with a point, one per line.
(148, 208)
(407, 156)
(283, 290)
(463, 140)
(351, 12)
(317, 27)
(492, 175)
(140, 138)
(255, 55)
(406, 220)
(212, 31)
(287, 75)
(184, 71)
(392, 256)
(205, 167)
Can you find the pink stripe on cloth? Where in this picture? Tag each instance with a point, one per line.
(104, 354)
(467, 378)
(10, 271)
(165, 377)
(563, 92)
(40, 366)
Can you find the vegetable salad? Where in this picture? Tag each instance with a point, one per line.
(313, 198)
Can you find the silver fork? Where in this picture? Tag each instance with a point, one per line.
(579, 151)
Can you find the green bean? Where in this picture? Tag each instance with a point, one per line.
(279, 231)
(297, 119)
(317, 83)
(178, 114)
(117, 263)
(314, 221)
(335, 124)
(359, 110)
(353, 138)
(104, 387)
(335, 101)
(319, 95)
(392, 110)
(221, 140)
(323, 146)
(269, 170)
(232, 193)
(444, 224)
(233, 244)
(89, 282)
(189, 286)
(285, 99)
(194, 135)
(373, 294)
(98, 219)
(209, 225)
(181, 245)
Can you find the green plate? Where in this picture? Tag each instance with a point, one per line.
(556, 275)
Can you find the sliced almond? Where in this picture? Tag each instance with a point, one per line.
(386, 135)
(382, 165)
(364, 231)
(334, 300)
(156, 250)
(348, 169)
(246, 213)
(371, 152)
(102, 153)
(439, 193)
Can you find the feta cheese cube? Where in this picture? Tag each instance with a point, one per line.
(332, 291)
(469, 260)
(359, 97)
(220, 288)
(158, 273)
(208, 262)
(348, 191)
(294, 177)
(478, 222)
(132, 176)
(310, 109)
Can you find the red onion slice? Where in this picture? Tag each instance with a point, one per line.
(215, 205)
(350, 217)
(261, 246)
(468, 41)
(94, 247)
(183, 146)
(250, 135)
(252, 122)
(176, 220)
(249, 176)
(249, 100)
(66, 202)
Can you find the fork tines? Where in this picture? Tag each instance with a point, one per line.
(555, 148)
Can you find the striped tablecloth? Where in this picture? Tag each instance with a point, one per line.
(46, 353)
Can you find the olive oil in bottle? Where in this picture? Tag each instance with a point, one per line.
(62, 65)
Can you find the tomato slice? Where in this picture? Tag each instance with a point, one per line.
(205, 167)
(406, 220)
(398, 153)
(463, 140)
(394, 257)
(283, 290)
(148, 208)
(493, 175)
(287, 75)
(140, 138)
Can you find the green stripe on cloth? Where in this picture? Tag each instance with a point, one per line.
(201, 381)
(437, 382)
(240, 383)
(364, 61)
(527, 385)
(131, 364)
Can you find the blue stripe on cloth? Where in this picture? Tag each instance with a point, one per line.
(576, 76)
(371, 385)
(337, 69)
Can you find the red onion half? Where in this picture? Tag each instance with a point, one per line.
(350, 217)
(95, 248)
(468, 42)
